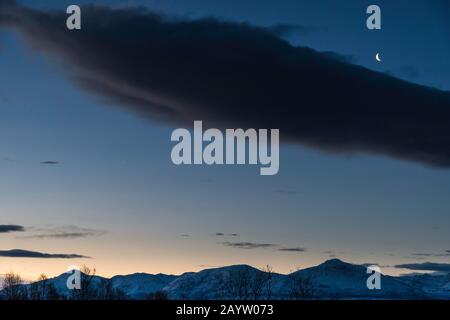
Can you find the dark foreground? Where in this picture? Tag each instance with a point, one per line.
(223, 309)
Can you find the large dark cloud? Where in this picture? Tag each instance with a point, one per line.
(236, 75)
(6, 228)
(18, 253)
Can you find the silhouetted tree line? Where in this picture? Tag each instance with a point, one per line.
(248, 285)
(14, 288)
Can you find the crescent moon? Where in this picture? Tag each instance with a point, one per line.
(377, 57)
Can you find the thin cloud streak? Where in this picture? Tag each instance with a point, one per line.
(19, 253)
(425, 266)
(65, 232)
(7, 228)
(295, 249)
(422, 254)
(50, 162)
(248, 245)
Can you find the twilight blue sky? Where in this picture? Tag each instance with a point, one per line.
(115, 175)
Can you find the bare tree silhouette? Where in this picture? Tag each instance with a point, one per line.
(13, 288)
(87, 290)
(38, 289)
(302, 287)
(238, 284)
(249, 284)
(261, 283)
(106, 291)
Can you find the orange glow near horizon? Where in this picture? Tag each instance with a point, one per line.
(30, 269)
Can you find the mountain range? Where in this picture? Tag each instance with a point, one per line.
(333, 279)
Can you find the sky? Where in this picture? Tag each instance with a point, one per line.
(83, 175)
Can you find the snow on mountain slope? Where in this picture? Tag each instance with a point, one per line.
(232, 282)
(436, 285)
(60, 283)
(135, 286)
(140, 285)
(333, 279)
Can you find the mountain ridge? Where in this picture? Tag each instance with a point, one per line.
(332, 279)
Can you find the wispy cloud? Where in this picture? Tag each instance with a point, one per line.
(248, 245)
(425, 266)
(259, 245)
(65, 232)
(7, 228)
(50, 162)
(425, 254)
(19, 253)
(294, 249)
